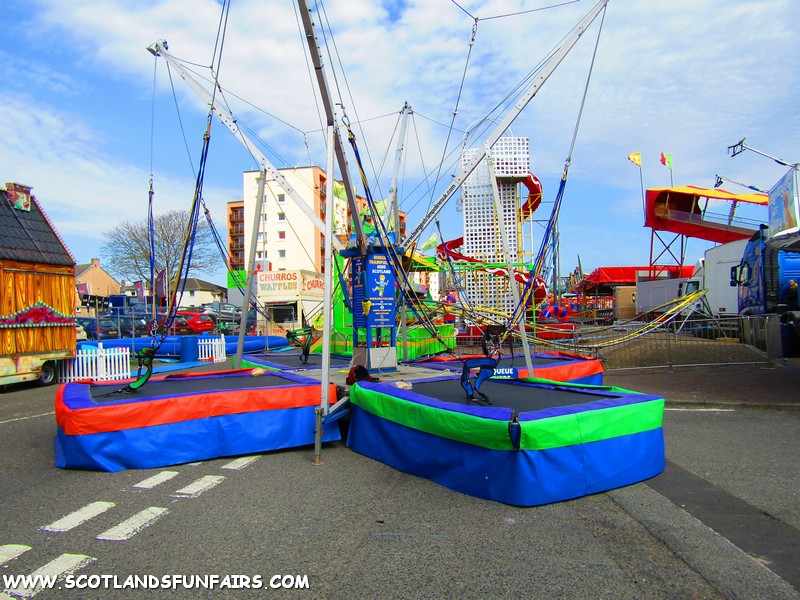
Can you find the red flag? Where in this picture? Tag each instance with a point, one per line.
(666, 160)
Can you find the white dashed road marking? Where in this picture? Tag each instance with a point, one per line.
(82, 515)
(701, 409)
(134, 525)
(66, 563)
(10, 551)
(50, 414)
(240, 463)
(198, 487)
(155, 480)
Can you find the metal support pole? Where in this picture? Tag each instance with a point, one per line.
(248, 288)
(507, 251)
(394, 210)
(317, 437)
(327, 303)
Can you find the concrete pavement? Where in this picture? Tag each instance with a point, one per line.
(774, 385)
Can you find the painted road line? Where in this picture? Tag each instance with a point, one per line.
(240, 463)
(50, 414)
(10, 551)
(66, 563)
(700, 409)
(74, 519)
(198, 487)
(130, 527)
(155, 480)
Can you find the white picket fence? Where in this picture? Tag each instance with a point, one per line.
(211, 349)
(112, 364)
(97, 364)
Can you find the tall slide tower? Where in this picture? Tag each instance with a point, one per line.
(482, 231)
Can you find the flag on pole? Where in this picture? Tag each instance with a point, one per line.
(161, 288)
(338, 191)
(635, 158)
(431, 242)
(139, 287)
(666, 160)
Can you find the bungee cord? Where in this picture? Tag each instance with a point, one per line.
(146, 355)
(519, 312)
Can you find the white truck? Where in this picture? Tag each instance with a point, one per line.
(714, 273)
(654, 293)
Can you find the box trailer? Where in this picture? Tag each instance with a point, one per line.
(655, 293)
(714, 272)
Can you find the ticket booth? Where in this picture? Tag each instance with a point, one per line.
(374, 313)
(290, 298)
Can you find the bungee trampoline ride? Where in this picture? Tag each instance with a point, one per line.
(524, 429)
(178, 419)
(537, 442)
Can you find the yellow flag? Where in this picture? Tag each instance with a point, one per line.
(635, 158)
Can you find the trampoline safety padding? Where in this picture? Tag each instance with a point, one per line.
(555, 366)
(536, 444)
(184, 418)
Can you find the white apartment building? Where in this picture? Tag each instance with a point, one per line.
(287, 240)
(288, 244)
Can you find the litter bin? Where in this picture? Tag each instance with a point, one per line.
(189, 348)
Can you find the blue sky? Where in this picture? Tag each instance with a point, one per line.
(88, 116)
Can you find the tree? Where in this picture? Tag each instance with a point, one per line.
(127, 249)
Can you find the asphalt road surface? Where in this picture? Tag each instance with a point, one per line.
(721, 522)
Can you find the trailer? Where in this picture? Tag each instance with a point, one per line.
(37, 291)
(655, 293)
(290, 299)
(714, 271)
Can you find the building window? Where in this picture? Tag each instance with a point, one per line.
(281, 253)
(281, 216)
(281, 235)
(281, 197)
(191, 293)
